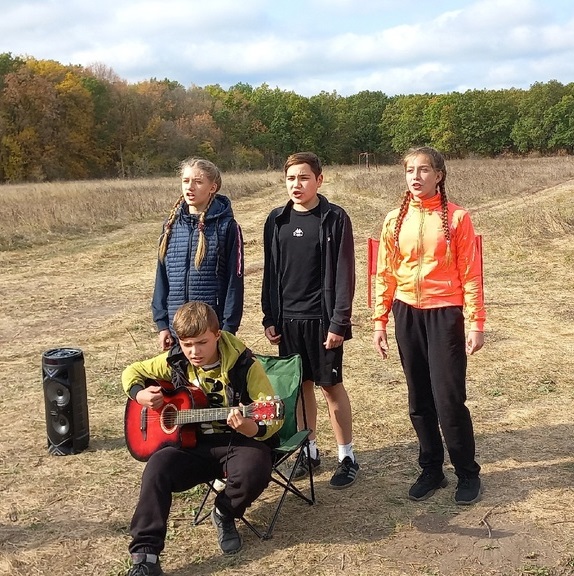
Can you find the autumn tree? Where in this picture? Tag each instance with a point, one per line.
(560, 118)
(29, 114)
(403, 123)
(359, 120)
(532, 131)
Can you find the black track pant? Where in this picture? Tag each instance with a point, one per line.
(245, 463)
(431, 345)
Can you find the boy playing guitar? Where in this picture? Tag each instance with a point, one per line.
(222, 380)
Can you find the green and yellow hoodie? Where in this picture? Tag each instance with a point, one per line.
(421, 274)
(221, 384)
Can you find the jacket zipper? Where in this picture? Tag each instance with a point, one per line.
(420, 258)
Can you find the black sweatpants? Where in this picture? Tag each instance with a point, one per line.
(245, 463)
(431, 345)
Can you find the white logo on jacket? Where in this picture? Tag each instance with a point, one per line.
(298, 233)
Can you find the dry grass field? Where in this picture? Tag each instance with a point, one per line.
(76, 269)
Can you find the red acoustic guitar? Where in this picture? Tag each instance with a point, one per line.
(148, 430)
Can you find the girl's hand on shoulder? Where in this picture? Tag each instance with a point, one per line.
(381, 343)
(474, 341)
(165, 340)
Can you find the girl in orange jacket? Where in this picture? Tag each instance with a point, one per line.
(428, 273)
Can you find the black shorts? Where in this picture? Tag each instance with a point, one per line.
(306, 338)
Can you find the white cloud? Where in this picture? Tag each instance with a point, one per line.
(405, 80)
(182, 19)
(260, 55)
(499, 14)
(122, 55)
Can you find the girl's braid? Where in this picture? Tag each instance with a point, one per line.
(444, 218)
(399, 222)
(201, 242)
(167, 229)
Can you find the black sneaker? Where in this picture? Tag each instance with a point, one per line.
(468, 490)
(427, 484)
(302, 469)
(142, 568)
(345, 475)
(227, 535)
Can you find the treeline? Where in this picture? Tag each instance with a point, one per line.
(62, 122)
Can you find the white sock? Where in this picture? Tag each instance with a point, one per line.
(138, 557)
(345, 450)
(219, 512)
(313, 450)
(151, 558)
(218, 484)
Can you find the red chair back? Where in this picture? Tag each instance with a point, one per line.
(372, 253)
(478, 240)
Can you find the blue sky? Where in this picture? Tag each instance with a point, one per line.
(309, 46)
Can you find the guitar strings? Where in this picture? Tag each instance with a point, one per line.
(171, 414)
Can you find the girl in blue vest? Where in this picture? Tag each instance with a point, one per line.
(200, 253)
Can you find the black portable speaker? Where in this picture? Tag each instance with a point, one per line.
(66, 401)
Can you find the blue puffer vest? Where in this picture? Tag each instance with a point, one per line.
(208, 284)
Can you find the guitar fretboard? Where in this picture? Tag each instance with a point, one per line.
(203, 415)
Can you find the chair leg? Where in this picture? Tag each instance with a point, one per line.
(262, 535)
(311, 481)
(200, 515)
(287, 484)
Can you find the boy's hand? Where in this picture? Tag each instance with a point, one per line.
(381, 343)
(272, 335)
(333, 341)
(150, 397)
(237, 421)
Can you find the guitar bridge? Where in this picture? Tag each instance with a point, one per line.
(143, 423)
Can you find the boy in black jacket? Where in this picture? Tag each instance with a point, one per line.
(307, 295)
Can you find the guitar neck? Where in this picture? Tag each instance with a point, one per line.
(195, 416)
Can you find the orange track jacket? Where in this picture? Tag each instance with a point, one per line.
(420, 274)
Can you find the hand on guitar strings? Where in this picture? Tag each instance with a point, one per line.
(150, 397)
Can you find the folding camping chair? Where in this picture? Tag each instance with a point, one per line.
(373, 252)
(285, 375)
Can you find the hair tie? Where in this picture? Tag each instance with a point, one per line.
(201, 226)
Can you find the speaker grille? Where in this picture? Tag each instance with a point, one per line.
(61, 424)
(57, 393)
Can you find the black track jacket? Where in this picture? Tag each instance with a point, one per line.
(337, 269)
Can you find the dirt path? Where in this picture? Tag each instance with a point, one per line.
(546, 197)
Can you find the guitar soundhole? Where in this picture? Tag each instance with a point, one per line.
(169, 418)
